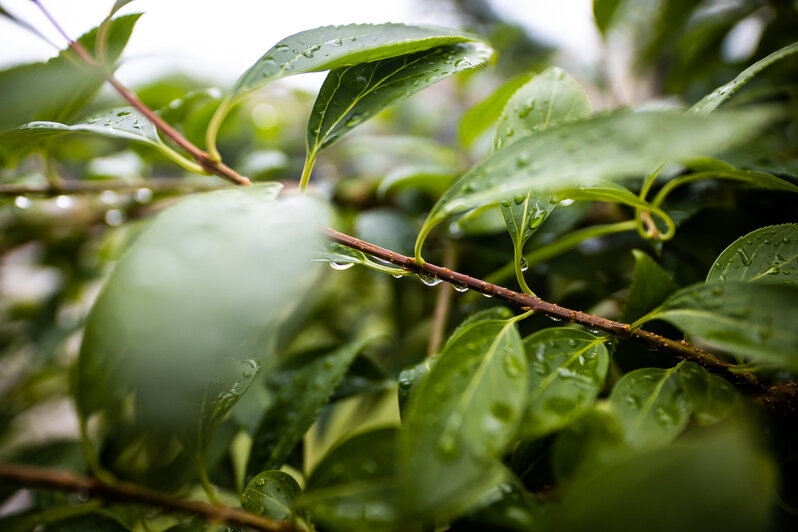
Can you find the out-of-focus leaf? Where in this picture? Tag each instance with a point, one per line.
(716, 479)
(61, 87)
(122, 123)
(603, 10)
(651, 406)
(462, 416)
(427, 178)
(711, 396)
(567, 371)
(191, 302)
(711, 101)
(410, 378)
(271, 494)
(768, 254)
(549, 99)
(609, 146)
(748, 319)
(354, 485)
(484, 114)
(650, 286)
(351, 95)
(507, 507)
(302, 386)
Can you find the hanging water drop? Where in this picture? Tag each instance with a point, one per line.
(505, 203)
(744, 256)
(22, 202)
(519, 199)
(341, 265)
(429, 280)
(460, 288)
(523, 264)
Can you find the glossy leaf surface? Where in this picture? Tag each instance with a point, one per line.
(748, 319)
(650, 286)
(484, 115)
(604, 147)
(651, 406)
(768, 254)
(302, 386)
(351, 95)
(271, 494)
(711, 396)
(567, 368)
(201, 275)
(340, 257)
(462, 416)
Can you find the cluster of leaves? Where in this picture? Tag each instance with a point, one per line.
(221, 353)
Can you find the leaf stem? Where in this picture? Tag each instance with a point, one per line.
(129, 493)
(518, 259)
(310, 160)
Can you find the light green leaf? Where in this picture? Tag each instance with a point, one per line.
(354, 485)
(711, 396)
(549, 99)
(767, 254)
(567, 371)
(711, 101)
(353, 94)
(609, 146)
(484, 114)
(302, 386)
(330, 47)
(461, 417)
(748, 319)
(58, 89)
(650, 286)
(650, 406)
(271, 494)
(192, 300)
(341, 257)
(410, 378)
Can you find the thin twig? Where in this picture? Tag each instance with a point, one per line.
(202, 157)
(746, 380)
(29, 477)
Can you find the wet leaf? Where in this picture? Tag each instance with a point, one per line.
(302, 386)
(410, 378)
(340, 257)
(567, 368)
(603, 147)
(650, 286)
(485, 114)
(711, 396)
(711, 101)
(353, 94)
(192, 307)
(461, 417)
(58, 89)
(748, 319)
(354, 485)
(271, 494)
(651, 406)
(769, 254)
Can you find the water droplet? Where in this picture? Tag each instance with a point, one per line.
(744, 256)
(487, 295)
(260, 482)
(114, 217)
(337, 42)
(524, 265)
(566, 202)
(519, 199)
(633, 401)
(505, 203)
(369, 467)
(397, 275)
(523, 160)
(246, 375)
(509, 132)
(572, 342)
(663, 417)
(341, 265)
(281, 47)
(22, 202)
(405, 383)
(460, 288)
(429, 280)
(109, 197)
(786, 240)
(512, 367)
(64, 202)
(717, 291)
(311, 51)
(353, 121)
(462, 63)
(447, 446)
(143, 195)
(502, 411)
(123, 113)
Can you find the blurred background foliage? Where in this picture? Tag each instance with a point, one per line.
(57, 246)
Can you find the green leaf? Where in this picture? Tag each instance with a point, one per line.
(748, 319)
(651, 406)
(330, 47)
(484, 115)
(609, 146)
(711, 101)
(302, 386)
(410, 379)
(508, 507)
(650, 286)
(711, 396)
(603, 10)
(121, 123)
(567, 371)
(461, 417)
(192, 306)
(271, 494)
(351, 95)
(340, 257)
(354, 485)
(549, 99)
(61, 87)
(432, 179)
(768, 254)
(712, 480)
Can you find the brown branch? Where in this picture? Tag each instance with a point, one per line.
(747, 381)
(29, 477)
(71, 186)
(203, 158)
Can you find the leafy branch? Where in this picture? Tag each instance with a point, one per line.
(124, 492)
